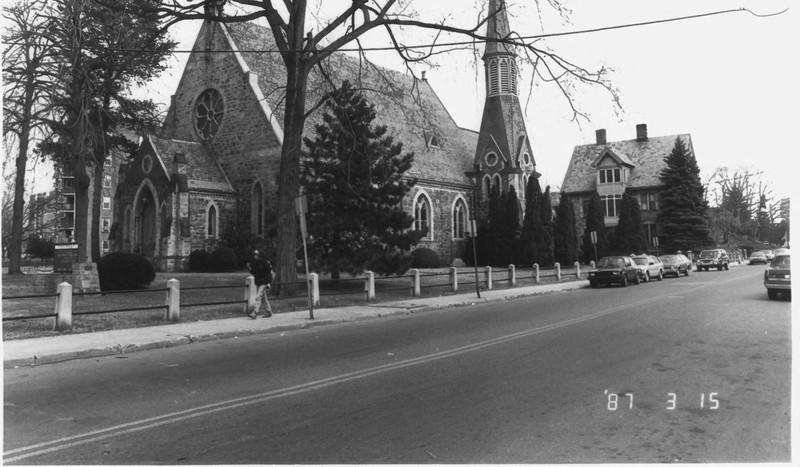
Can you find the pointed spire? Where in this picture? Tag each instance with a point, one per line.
(497, 27)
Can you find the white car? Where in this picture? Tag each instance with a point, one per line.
(650, 267)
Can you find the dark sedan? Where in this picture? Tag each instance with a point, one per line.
(614, 270)
(778, 278)
(675, 265)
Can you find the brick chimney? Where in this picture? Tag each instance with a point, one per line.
(601, 136)
(641, 132)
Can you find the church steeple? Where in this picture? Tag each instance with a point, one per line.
(503, 155)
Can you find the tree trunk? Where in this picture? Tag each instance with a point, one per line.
(18, 213)
(97, 202)
(82, 205)
(289, 178)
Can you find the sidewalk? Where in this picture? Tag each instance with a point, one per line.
(54, 349)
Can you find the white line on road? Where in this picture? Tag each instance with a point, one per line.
(174, 417)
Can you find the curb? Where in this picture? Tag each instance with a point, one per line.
(120, 349)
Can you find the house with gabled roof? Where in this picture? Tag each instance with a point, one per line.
(610, 168)
(214, 164)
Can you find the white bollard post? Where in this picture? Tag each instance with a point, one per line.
(415, 283)
(369, 285)
(536, 273)
(558, 271)
(314, 278)
(250, 290)
(454, 279)
(63, 307)
(512, 275)
(591, 264)
(577, 270)
(487, 277)
(173, 313)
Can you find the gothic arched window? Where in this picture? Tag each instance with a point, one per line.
(212, 222)
(422, 216)
(460, 219)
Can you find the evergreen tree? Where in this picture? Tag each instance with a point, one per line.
(595, 222)
(545, 240)
(494, 233)
(533, 195)
(683, 215)
(512, 226)
(636, 238)
(565, 241)
(620, 243)
(354, 180)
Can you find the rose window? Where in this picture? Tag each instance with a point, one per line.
(208, 113)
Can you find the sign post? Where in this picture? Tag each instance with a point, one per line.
(301, 208)
(473, 227)
(593, 235)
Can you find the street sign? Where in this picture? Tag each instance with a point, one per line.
(593, 235)
(655, 241)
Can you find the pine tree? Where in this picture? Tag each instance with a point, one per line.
(565, 241)
(683, 214)
(545, 240)
(636, 238)
(533, 195)
(622, 234)
(512, 226)
(493, 238)
(354, 180)
(595, 222)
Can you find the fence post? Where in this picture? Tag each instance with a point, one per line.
(454, 279)
(314, 279)
(558, 271)
(591, 264)
(63, 307)
(250, 290)
(415, 283)
(536, 273)
(577, 270)
(369, 285)
(487, 277)
(512, 275)
(173, 312)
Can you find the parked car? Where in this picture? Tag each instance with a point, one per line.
(777, 277)
(715, 258)
(614, 270)
(758, 257)
(781, 251)
(650, 267)
(770, 254)
(675, 265)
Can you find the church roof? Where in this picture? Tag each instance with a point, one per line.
(408, 107)
(203, 173)
(646, 156)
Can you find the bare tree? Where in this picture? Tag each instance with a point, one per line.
(28, 73)
(304, 44)
(743, 198)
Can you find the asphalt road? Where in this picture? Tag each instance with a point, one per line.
(695, 369)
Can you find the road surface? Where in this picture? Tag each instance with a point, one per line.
(694, 369)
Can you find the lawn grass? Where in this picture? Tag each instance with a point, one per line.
(102, 312)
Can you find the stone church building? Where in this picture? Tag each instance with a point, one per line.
(214, 164)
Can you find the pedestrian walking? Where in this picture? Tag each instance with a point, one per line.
(261, 269)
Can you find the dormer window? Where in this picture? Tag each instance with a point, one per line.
(610, 175)
(433, 142)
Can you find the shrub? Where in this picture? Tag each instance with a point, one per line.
(424, 258)
(125, 271)
(222, 259)
(198, 261)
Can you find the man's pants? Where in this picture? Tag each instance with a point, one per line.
(262, 292)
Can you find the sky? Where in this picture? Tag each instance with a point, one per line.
(727, 80)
